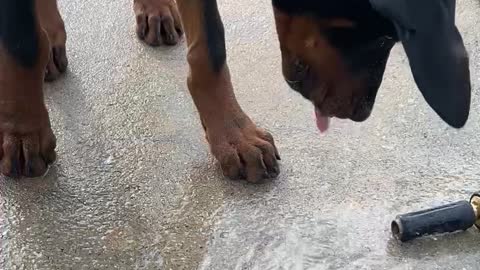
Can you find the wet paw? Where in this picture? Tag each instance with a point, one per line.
(26, 155)
(27, 143)
(244, 150)
(158, 22)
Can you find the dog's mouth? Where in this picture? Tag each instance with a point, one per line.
(360, 113)
(327, 102)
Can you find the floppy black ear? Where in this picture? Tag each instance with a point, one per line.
(435, 50)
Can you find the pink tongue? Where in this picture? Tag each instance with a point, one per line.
(323, 122)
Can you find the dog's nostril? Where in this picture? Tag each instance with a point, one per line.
(300, 67)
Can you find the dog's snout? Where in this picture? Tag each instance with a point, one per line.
(296, 73)
(300, 69)
(295, 85)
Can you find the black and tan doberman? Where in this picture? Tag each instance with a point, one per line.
(334, 53)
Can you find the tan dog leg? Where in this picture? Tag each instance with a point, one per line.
(243, 149)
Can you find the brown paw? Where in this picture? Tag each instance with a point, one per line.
(158, 22)
(27, 143)
(244, 150)
(52, 22)
(28, 154)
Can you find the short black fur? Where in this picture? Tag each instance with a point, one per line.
(215, 35)
(353, 9)
(18, 34)
(371, 23)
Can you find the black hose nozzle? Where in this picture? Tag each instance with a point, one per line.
(448, 218)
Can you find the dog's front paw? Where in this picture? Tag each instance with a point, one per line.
(27, 154)
(27, 143)
(243, 150)
(158, 21)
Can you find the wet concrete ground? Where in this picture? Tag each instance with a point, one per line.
(135, 187)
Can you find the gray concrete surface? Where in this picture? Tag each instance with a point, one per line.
(135, 187)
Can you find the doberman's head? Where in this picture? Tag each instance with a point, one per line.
(334, 53)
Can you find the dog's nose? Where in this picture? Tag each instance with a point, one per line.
(300, 69)
(296, 74)
(362, 111)
(295, 85)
